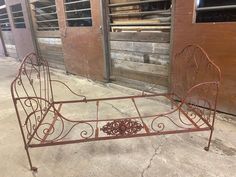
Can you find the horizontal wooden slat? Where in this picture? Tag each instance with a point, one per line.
(52, 59)
(156, 12)
(8, 37)
(12, 54)
(57, 66)
(48, 34)
(134, 3)
(53, 53)
(51, 50)
(54, 56)
(146, 47)
(140, 23)
(140, 28)
(136, 84)
(139, 76)
(140, 37)
(141, 67)
(158, 59)
(11, 51)
(154, 21)
(50, 47)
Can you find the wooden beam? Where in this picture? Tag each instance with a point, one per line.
(144, 68)
(163, 37)
(118, 73)
(142, 47)
(134, 3)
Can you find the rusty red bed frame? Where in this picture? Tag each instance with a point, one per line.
(193, 96)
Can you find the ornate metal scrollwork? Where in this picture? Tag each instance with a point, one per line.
(122, 127)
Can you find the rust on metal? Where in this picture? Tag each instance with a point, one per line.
(193, 96)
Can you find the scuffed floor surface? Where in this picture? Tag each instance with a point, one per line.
(161, 156)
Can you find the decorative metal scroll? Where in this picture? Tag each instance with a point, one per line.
(122, 127)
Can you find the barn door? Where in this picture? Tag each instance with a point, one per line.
(20, 27)
(8, 44)
(80, 27)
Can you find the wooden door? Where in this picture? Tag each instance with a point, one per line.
(21, 27)
(218, 40)
(80, 27)
(8, 47)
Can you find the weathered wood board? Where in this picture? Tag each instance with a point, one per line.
(51, 50)
(140, 40)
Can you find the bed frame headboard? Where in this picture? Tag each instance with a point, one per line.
(32, 91)
(194, 76)
(33, 72)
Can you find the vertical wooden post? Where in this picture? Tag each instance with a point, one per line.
(32, 29)
(3, 43)
(106, 46)
(171, 43)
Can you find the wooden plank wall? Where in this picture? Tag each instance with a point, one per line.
(138, 55)
(9, 43)
(51, 50)
(217, 39)
(49, 43)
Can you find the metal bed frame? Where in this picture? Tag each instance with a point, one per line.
(193, 96)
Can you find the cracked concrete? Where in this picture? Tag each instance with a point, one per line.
(157, 151)
(120, 111)
(179, 155)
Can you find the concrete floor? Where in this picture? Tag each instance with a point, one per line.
(162, 156)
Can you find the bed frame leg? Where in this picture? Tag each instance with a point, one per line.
(212, 129)
(209, 142)
(32, 168)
